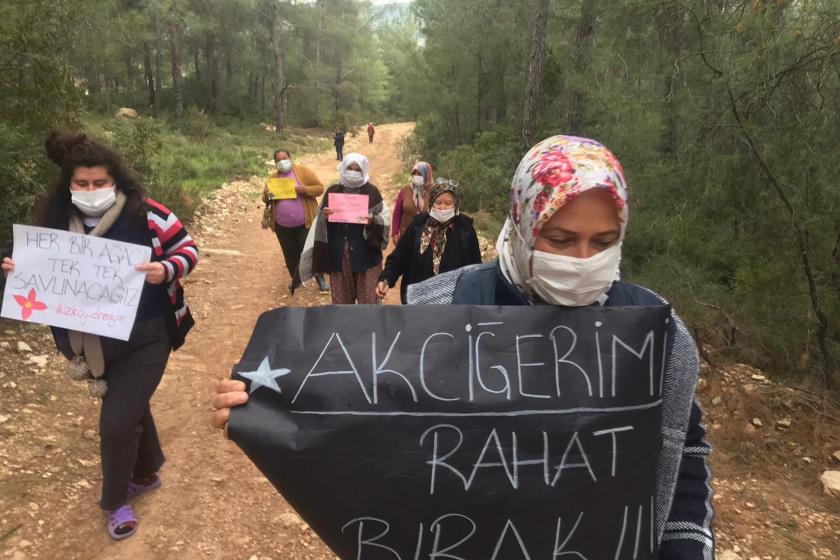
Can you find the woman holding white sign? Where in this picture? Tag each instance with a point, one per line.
(561, 245)
(97, 195)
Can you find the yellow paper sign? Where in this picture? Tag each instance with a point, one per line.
(282, 189)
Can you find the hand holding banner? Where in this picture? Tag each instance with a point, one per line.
(75, 281)
(461, 431)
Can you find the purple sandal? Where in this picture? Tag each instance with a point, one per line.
(137, 488)
(122, 523)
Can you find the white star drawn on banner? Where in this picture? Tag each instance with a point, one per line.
(264, 376)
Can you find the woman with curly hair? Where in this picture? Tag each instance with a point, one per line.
(96, 194)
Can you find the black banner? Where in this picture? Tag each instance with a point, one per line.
(461, 432)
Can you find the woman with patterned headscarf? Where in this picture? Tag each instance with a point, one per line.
(439, 240)
(561, 245)
(412, 199)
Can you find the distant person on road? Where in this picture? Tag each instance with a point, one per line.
(371, 131)
(96, 194)
(412, 199)
(292, 218)
(439, 240)
(338, 141)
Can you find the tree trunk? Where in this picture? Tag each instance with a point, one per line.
(175, 50)
(832, 375)
(150, 78)
(228, 66)
(318, 35)
(197, 63)
(532, 91)
(478, 90)
(670, 26)
(158, 59)
(212, 52)
(337, 88)
(129, 73)
(584, 33)
(280, 79)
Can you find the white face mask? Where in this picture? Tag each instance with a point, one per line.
(284, 165)
(442, 216)
(96, 202)
(418, 180)
(571, 281)
(353, 179)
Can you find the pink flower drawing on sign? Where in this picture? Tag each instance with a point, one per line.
(29, 304)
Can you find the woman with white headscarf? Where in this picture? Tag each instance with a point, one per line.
(351, 253)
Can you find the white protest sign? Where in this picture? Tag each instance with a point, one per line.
(74, 281)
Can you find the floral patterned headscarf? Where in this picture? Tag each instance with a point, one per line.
(550, 176)
(434, 232)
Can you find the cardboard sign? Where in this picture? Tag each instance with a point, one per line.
(348, 208)
(461, 432)
(74, 281)
(282, 188)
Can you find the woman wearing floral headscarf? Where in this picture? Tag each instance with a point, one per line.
(350, 253)
(439, 240)
(561, 245)
(412, 199)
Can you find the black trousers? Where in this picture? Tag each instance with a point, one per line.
(339, 152)
(129, 444)
(291, 242)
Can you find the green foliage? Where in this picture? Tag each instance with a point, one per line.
(37, 93)
(179, 166)
(484, 170)
(724, 116)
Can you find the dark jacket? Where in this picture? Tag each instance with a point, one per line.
(339, 138)
(687, 531)
(406, 261)
(364, 243)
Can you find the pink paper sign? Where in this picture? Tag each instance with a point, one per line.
(348, 208)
